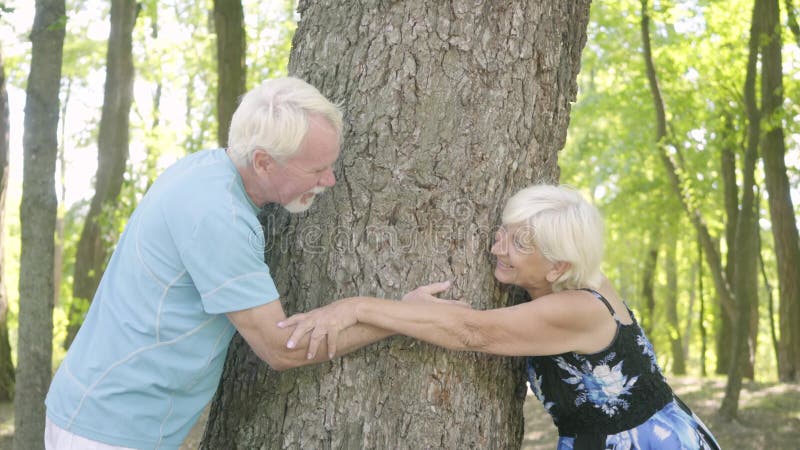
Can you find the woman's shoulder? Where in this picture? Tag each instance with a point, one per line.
(575, 306)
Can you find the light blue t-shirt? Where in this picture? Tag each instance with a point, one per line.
(150, 352)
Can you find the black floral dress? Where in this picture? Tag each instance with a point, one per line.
(616, 398)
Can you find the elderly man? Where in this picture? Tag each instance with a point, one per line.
(187, 273)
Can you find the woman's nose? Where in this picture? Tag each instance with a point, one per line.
(498, 247)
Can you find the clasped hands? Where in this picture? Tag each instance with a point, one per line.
(326, 322)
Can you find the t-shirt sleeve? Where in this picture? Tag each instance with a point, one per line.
(225, 258)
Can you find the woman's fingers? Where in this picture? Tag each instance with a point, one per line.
(460, 303)
(317, 335)
(435, 288)
(301, 328)
(427, 291)
(291, 321)
(318, 325)
(332, 336)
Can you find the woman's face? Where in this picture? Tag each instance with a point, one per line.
(519, 262)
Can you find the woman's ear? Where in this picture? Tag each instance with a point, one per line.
(557, 270)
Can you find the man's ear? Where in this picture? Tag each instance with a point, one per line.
(557, 270)
(263, 162)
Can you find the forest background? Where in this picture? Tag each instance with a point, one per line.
(618, 152)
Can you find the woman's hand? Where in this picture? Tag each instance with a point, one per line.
(427, 294)
(324, 322)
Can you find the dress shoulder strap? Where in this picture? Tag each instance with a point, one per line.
(600, 297)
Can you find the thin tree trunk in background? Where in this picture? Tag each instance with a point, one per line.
(724, 334)
(648, 282)
(229, 26)
(791, 13)
(153, 149)
(38, 221)
(689, 326)
(781, 209)
(449, 109)
(112, 155)
(6, 365)
(58, 257)
(701, 321)
(666, 150)
(773, 332)
(671, 307)
(745, 278)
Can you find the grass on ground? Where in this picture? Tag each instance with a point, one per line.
(769, 416)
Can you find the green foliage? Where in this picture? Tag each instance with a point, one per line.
(700, 51)
(268, 48)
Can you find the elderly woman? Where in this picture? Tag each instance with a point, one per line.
(588, 360)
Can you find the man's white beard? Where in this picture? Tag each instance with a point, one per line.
(298, 205)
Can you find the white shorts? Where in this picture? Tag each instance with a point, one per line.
(57, 438)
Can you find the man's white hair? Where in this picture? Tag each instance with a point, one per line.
(274, 117)
(564, 227)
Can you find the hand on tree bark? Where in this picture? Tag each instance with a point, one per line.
(323, 322)
(427, 293)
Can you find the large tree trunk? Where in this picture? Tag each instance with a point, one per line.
(745, 285)
(112, 155)
(450, 109)
(784, 221)
(38, 222)
(229, 26)
(6, 366)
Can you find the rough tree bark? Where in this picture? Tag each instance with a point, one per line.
(6, 366)
(231, 69)
(38, 222)
(112, 155)
(450, 108)
(784, 221)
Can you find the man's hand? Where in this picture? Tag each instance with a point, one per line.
(323, 322)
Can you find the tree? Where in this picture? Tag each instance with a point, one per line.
(745, 279)
(784, 222)
(450, 109)
(229, 26)
(671, 309)
(671, 157)
(38, 217)
(112, 154)
(6, 365)
(731, 201)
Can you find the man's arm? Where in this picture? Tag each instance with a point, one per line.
(258, 327)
